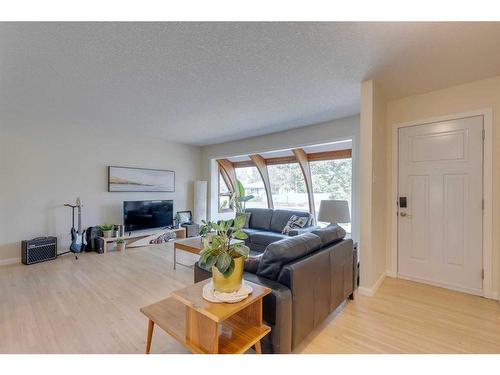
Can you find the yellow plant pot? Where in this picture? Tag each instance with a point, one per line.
(231, 283)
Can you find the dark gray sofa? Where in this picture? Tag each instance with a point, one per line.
(310, 275)
(265, 227)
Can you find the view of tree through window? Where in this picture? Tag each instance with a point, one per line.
(331, 179)
(252, 182)
(288, 187)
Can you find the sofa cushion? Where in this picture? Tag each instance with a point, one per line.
(280, 253)
(281, 217)
(265, 238)
(260, 218)
(329, 234)
(255, 248)
(250, 231)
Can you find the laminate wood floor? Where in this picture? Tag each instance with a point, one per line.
(409, 317)
(91, 305)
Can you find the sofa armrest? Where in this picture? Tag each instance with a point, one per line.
(297, 231)
(319, 284)
(277, 313)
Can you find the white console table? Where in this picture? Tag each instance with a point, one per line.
(142, 239)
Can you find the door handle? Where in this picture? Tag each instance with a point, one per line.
(404, 214)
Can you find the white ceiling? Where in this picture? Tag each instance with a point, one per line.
(205, 83)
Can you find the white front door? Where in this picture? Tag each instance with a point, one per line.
(440, 229)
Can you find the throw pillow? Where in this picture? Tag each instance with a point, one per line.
(295, 222)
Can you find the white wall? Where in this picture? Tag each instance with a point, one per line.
(346, 128)
(44, 166)
(372, 242)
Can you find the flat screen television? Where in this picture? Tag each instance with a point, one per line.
(140, 215)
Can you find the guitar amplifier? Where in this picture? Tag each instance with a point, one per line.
(38, 250)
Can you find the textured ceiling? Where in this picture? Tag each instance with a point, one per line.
(204, 83)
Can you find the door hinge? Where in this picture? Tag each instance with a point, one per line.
(482, 274)
(484, 134)
(482, 204)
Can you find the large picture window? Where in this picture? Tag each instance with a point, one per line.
(284, 180)
(288, 187)
(253, 184)
(331, 179)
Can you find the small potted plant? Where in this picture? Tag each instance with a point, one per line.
(120, 244)
(205, 230)
(177, 220)
(107, 230)
(239, 201)
(224, 256)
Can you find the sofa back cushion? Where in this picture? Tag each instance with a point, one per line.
(281, 217)
(329, 234)
(260, 218)
(280, 253)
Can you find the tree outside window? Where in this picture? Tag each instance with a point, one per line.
(332, 179)
(252, 182)
(288, 187)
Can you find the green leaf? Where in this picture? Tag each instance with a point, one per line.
(240, 188)
(239, 222)
(216, 241)
(211, 262)
(242, 250)
(229, 270)
(229, 224)
(208, 263)
(223, 262)
(240, 235)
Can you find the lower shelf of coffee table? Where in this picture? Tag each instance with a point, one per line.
(236, 336)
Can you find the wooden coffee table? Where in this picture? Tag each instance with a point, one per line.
(205, 327)
(192, 245)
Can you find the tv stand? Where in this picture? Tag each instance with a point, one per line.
(142, 239)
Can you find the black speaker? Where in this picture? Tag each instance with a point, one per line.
(38, 250)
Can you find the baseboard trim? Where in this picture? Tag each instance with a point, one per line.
(6, 262)
(391, 273)
(370, 292)
(492, 295)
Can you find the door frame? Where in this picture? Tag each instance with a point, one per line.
(487, 115)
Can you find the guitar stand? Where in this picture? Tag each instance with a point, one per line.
(72, 225)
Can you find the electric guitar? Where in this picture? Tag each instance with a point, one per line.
(78, 238)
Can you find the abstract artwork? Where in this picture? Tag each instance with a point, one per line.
(140, 179)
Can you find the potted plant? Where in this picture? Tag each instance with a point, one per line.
(177, 220)
(205, 230)
(225, 257)
(239, 201)
(120, 244)
(107, 230)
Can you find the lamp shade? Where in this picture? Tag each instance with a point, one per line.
(334, 211)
